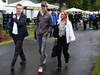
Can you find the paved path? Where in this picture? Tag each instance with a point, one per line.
(83, 53)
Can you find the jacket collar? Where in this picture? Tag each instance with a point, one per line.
(20, 15)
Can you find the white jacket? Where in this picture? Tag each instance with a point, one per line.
(69, 32)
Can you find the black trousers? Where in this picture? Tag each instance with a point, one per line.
(18, 50)
(84, 25)
(95, 25)
(76, 25)
(63, 47)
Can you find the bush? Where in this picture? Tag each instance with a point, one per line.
(96, 70)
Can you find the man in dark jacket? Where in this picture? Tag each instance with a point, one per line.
(18, 31)
(76, 19)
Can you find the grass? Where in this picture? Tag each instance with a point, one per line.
(96, 70)
(6, 42)
(31, 34)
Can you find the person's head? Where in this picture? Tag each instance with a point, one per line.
(75, 12)
(44, 6)
(19, 9)
(64, 15)
(53, 13)
(62, 9)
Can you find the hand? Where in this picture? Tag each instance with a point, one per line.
(14, 16)
(45, 34)
(72, 41)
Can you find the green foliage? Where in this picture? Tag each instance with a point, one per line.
(74, 3)
(83, 4)
(31, 34)
(4, 0)
(98, 4)
(96, 70)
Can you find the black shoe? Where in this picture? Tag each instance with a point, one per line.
(66, 67)
(12, 69)
(59, 69)
(66, 61)
(22, 62)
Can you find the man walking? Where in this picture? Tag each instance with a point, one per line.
(18, 31)
(42, 30)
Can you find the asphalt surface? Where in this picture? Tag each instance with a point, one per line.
(83, 54)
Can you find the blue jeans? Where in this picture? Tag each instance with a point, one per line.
(42, 47)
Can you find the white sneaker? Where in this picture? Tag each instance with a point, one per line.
(40, 69)
(44, 61)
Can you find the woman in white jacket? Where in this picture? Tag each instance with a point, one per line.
(66, 35)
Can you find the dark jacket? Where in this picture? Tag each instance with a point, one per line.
(43, 23)
(21, 24)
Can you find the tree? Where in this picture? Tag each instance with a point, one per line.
(83, 4)
(98, 4)
(73, 3)
(93, 4)
(55, 1)
(4, 0)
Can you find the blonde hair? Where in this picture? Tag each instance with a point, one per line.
(65, 13)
